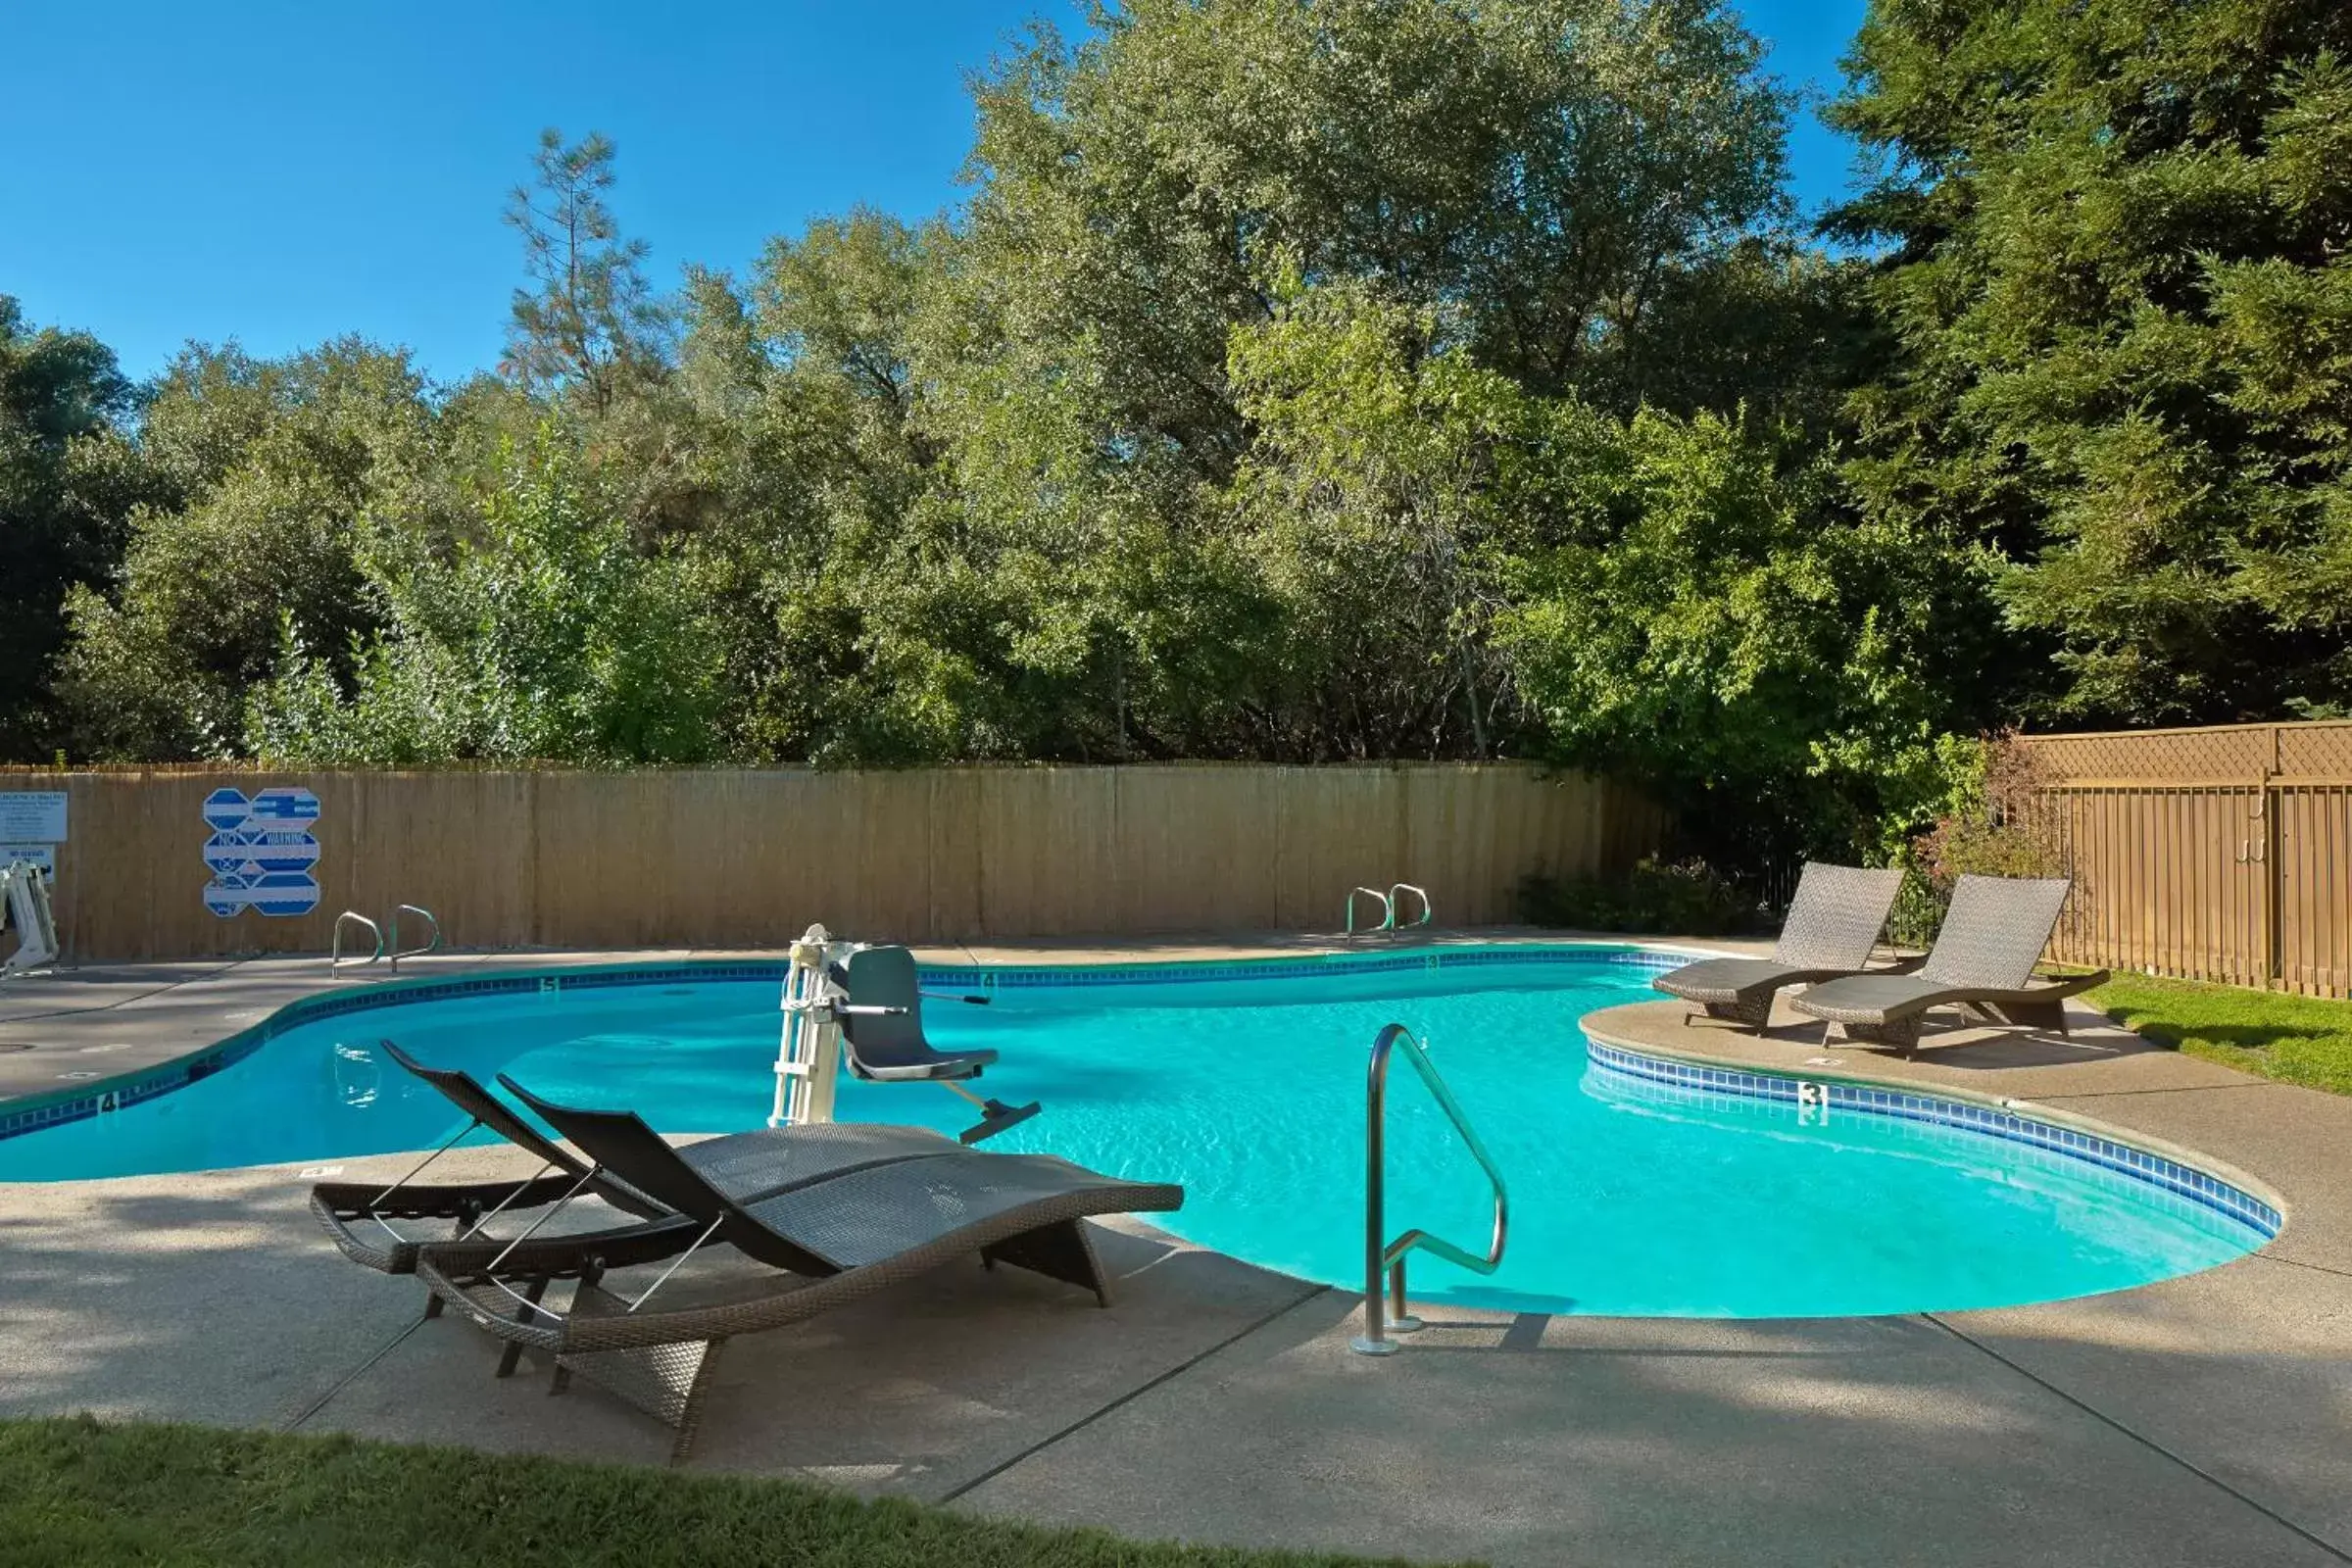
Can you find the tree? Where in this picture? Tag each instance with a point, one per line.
(1386, 481)
(589, 323)
(269, 480)
(548, 637)
(2117, 280)
(66, 484)
(1699, 616)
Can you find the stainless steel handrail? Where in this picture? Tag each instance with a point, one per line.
(1387, 910)
(398, 951)
(1389, 1258)
(1419, 893)
(335, 959)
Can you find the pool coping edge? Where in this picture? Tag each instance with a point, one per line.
(2221, 1170)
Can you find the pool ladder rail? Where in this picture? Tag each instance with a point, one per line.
(1388, 902)
(1386, 1257)
(383, 946)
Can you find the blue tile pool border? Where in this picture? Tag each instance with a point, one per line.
(83, 1101)
(1850, 1096)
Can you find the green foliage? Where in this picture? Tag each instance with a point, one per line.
(64, 494)
(1679, 898)
(1985, 825)
(547, 637)
(1700, 615)
(269, 476)
(2122, 303)
(588, 323)
(1374, 508)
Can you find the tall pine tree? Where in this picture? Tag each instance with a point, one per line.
(2118, 282)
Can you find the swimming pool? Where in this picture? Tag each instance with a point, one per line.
(1638, 1186)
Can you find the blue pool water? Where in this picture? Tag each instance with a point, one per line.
(1627, 1196)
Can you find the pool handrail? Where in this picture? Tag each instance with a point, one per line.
(398, 951)
(1388, 1258)
(335, 959)
(1387, 910)
(1417, 892)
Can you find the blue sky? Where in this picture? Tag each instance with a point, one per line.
(283, 172)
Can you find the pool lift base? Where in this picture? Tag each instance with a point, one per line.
(24, 908)
(818, 1041)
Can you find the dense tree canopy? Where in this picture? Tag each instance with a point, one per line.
(1354, 378)
(2120, 283)
(62, 487)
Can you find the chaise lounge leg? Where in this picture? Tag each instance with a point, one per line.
(1748, 1012)
(1062, 1252)
(2048, 1015)
(1898, 1034)
(513, 1352)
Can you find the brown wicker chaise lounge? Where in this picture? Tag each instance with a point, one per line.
(365, 1219)
(833, 1240)
(1833, 924)
(1982, 959)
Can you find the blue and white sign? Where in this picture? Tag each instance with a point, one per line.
(43, 856)
(32, 816)
(262, 853)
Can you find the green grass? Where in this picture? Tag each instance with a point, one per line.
(81, 1491)
(2297, 1039)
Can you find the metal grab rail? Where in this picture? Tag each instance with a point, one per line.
(1387, 910)
(335, 958)
(1389, 1258)
(1419, 893)
(398, 951)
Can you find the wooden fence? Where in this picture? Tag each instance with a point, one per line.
(2220, 853)
(747, 858)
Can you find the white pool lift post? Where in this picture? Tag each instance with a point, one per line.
(809, 1052)
(24, 908)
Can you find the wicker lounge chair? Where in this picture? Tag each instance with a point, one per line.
(1833, 924)
(1983, 960)
(367, 1219)
(833, 1241)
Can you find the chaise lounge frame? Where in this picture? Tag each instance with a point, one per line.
(1834, 922)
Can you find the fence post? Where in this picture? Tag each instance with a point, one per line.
(2273, 864)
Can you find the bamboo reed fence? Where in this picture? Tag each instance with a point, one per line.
(2220, 853)
(747, 858)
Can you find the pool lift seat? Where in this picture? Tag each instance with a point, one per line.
(863, 1006)
(881, 1012)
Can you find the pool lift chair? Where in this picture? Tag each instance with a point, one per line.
(860, 1009)
(24, 907)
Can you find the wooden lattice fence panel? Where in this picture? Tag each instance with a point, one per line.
(2220, 853)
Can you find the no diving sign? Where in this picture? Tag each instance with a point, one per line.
(262, 851)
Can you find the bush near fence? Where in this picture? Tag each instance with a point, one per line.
(749, 857)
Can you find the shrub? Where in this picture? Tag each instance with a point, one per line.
(1688, 897)
(1988, 827)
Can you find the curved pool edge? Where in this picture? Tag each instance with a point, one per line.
(97, 1095)
(2073, 1135)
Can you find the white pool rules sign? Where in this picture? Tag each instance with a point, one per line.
(262, 851)
(33, 824)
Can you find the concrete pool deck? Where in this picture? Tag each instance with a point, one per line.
(2199, 1421)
